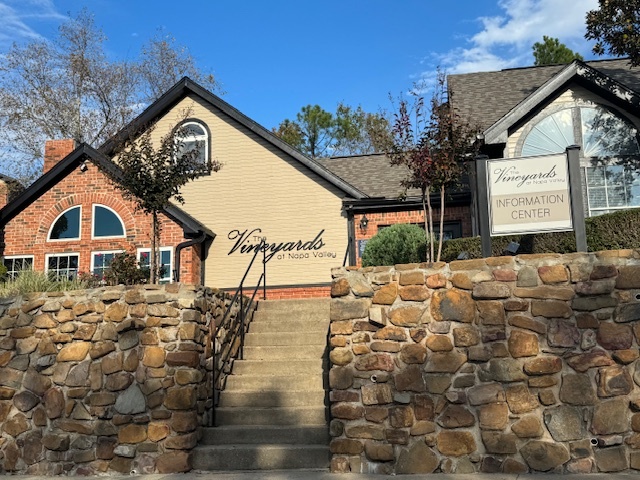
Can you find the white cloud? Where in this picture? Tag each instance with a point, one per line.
(506, 40)
(17, 17)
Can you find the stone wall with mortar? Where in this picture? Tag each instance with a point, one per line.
(508, 364)
(115, 379)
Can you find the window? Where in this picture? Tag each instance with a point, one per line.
(62, 266)
(67, 225)
(609, 154)
(166, 262)
(194, 136)
(16, 264)
(100, 262)
(106, 223)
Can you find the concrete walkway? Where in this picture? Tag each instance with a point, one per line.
(324, 475)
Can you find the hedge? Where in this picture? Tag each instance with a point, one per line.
(612, 231)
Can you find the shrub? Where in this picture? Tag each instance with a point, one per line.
(28, 281)
(612, 231)
(124, 268)
(400, 243)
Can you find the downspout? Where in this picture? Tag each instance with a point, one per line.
(181, 246)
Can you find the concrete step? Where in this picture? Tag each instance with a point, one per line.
(260, 457)
(271, 416)
(280, 383)
(303, 305)
(285, 339)
(269, 323)
(295, 353)
(279, 367)
(265, 398)
(274, 434)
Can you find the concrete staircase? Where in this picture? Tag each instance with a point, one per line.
(272, 414)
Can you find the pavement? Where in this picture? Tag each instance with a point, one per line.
(325, 475)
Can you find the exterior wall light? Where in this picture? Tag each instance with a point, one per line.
(364, 221)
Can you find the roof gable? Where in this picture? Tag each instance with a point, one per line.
(495, 101)
(84, 152)
(185, 87)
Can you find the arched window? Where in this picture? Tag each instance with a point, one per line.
(609, 153)
(67, 225)
(106, 223)
(193, 135)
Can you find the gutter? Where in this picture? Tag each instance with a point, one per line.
(181, 246)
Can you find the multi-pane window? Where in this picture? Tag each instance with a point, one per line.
(166, 262)
(62, 266)
(610, 154)
(100, 262)
(106, 223)
(67, 225)
(16, 264)
(193, 136)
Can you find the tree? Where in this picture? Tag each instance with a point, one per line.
(151, 176)
(351, 131)
(433, 147)
(68, 88)
(552, 52)
(615, 26)
(163, 62)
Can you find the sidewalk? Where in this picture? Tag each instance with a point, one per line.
(324, 475)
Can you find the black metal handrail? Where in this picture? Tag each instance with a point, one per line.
(240, 326)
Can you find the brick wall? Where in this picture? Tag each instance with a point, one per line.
(27, 233)
(380, 219)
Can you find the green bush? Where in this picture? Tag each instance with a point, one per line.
(124, 268)
(612, 231)
(400, 243)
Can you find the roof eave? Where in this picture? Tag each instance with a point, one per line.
(499, 131)
(186, 86)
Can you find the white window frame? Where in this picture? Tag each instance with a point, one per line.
(61, 254)
(12, 273)
(93, 223)
(100, 252)
(196, 138)
(168, 278)
(79, 237)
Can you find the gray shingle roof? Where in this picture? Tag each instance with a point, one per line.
(484, 98)
(371, 174)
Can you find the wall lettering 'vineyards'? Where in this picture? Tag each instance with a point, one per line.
(509, 364)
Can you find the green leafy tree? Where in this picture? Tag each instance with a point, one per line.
(152, 175)
(350, 131)
(615, 26)
(69, 88)
(433, 146)
(550, 52)
(358, 132)
(400, 243)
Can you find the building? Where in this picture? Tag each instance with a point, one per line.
(532, 111)
(315, 215)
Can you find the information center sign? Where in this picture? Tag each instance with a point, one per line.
(529, 195)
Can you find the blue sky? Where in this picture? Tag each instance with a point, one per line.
(274, 57)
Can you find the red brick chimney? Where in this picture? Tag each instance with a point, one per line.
(56, 150)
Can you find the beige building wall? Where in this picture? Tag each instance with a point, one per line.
(261, 191)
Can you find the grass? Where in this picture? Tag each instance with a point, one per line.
(29, 281)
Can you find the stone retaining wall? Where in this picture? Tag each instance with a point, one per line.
(115, 379)
(508, 364)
